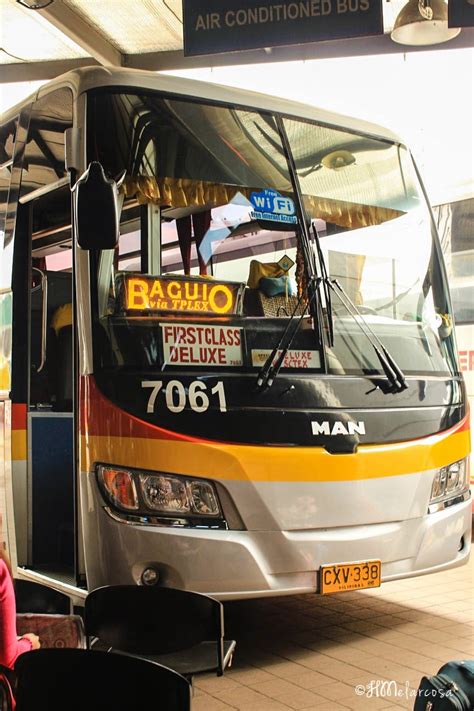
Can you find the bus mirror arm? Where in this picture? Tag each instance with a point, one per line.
(96, 214)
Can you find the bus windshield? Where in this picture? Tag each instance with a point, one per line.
(213, 259)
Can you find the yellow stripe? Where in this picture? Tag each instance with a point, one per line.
(4, 374)
(250, 463)
(18, 444)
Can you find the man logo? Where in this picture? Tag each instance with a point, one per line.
(338, 428)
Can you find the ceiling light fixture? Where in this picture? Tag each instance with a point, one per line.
(423, 22)
(33, 5)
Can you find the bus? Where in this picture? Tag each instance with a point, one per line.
(227, 352)
(454, 220)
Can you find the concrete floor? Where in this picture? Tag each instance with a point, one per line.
(327, 653)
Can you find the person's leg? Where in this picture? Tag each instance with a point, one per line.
(201, 224)
(183, 225)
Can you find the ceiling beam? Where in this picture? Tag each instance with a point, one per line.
(83, 34)
(40, 71)
(354, 47)
(156, 61)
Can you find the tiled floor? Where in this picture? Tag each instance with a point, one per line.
(324, 654)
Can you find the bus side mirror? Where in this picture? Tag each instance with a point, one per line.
(96, 209)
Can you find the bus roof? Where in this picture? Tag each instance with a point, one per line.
(86, 78)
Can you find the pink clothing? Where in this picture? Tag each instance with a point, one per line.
(10, 646)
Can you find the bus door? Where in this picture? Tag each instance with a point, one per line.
(44, 369)
(50, 413)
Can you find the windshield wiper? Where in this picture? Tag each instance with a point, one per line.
(393, 372)
(327, 293)
(270, 369)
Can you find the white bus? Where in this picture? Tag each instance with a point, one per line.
(226, 346)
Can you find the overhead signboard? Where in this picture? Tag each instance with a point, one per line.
(212, 26)
(461, 13)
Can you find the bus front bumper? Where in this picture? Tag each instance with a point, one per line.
(246, 564)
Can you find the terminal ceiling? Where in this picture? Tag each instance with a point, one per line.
(148, 34)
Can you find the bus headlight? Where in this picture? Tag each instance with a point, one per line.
(450, 482)
(179, 495)
(148, 493)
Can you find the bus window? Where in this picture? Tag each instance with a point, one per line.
(7, 135)
(7, 144)
(44, 171)
(463, 303)
(364, 189)
(129, 258)
(454, 221)
(45, 151)
(60, 261)
(51, 333)
(216, 202)
(228, 245)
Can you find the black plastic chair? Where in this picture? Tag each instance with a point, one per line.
(79, 679)
(182, 630)
(35, 598)
(7, 688)
(47, 613)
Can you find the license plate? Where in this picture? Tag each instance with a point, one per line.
(349, 576)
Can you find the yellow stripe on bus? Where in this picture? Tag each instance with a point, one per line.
(19, 444)
(253, 463)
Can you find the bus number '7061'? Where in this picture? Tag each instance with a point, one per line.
(176, 396)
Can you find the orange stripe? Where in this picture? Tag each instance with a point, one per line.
(18, 416)
(465, 424)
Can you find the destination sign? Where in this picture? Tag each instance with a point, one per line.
(193, 344)
(181, 295)
(292, 359)
(214, 26)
